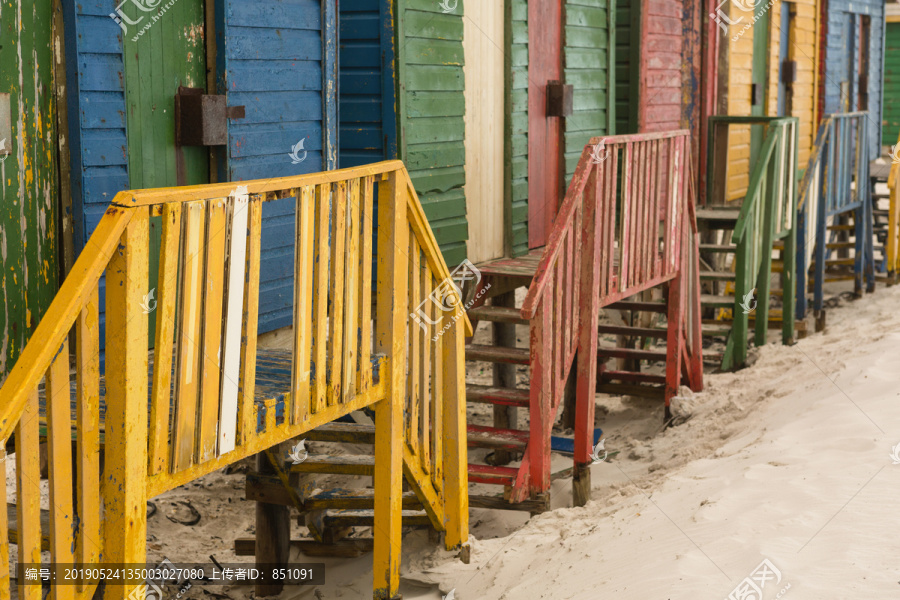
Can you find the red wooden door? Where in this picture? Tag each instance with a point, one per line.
(544, 133)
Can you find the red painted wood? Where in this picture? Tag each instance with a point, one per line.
(544, 133)
(660, 87)
(709, 85)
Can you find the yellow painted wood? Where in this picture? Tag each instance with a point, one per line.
(166, 288)
(188, 340)
(424, 375)
(415, 346)
(213, 299)
(87, 416)
(390, 335)
(456, 484)
(351, 292)
(28, 491)
(246, 411)
(320, 298)
(304, 248)
(437, 405)
(59, 318)
(893, 231)
(59, 453)
(4, 534)
(364, 375)
(125, 469)
(338, 245)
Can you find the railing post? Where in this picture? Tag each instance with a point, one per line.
(588, 316)
(390, 335)
(125, 471)
(454, 443)
(826, 188)
(789, 267)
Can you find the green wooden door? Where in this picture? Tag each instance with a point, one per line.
(158, 59)
(891, 123)
(758, 81)
(28, 174)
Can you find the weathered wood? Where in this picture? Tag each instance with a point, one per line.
(246, 424)
(28, 494)
(273, 533)
(304, 244)
(211, 349)
(59, 442)
(87, 394)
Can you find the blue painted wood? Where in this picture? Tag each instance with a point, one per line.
(278, 59)
(839, 41)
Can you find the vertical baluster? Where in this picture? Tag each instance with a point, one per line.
(541, 389)
(304, 247)
(668, 240)
(652, 223)
(424, 374)
(167, 286)
(559, 352)
(577, 248)
(87, 381)
(59, 452)
(639, 200)
(188, 342)
(338, 261)
(238, 213)
(211, 353)
(607, 207)
(4, 535)
(416, 328)
(364, 375)
(566, 307)
(247, 385)
(125, 469)
(625, 216)
(351, 292)
(320, 298)
(438, 376)
(28, 493)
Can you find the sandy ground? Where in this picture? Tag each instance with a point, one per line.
(788, 460)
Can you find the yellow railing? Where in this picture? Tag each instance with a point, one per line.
(892, 243)
(204, 411)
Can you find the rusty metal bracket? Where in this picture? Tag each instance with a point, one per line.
(202, 119)
(560, 99)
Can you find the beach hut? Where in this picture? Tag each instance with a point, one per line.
(890, 129)
(181, 93)
(29, 192)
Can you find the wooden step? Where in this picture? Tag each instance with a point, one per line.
(480, 436)
(718, 218)
(491, 474)
(497, 354)
(840, 245)
(632, 389)
(632, 353)
(715, 329)
(497, 314)
(269, 489)
(835, 262)
(350, 464)
(717, 301)
(841, 227)
(654, 332)
(348, 433)
(717, 275)
(366, 518)
(534, 506)
(487, 394)
(659, 307)
(632, 377)
(718, 248)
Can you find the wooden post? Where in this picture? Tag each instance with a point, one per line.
(588, 316)
(454, 443)
(273, 529)
(504, 334)
(125, 473)
(390, 335)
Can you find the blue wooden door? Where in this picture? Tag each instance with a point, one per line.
(277, 59)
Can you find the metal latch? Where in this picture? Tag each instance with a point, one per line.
(560, 99)
(789, 71)
(202, 119)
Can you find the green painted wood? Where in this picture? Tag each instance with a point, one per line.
(627, 58)
(891, 120)
(586, 58)
(431, 108)
(28, 175)
(517, 131)
(169, 54)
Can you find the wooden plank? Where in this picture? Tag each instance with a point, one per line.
(166, 287)
(247, 385)
(338, 247)
(59, 453)
(424, 374)
(211, 354)
(416, 337)
(4, 535)
(304, 242)
(351, 292)
(392, 316)
(87, 386)
(364, 375)
(238, 212)
(320, 298)
(190, 313)
(28, 492)
(125, 469)
(437, 405)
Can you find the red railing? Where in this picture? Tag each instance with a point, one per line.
(626, 225)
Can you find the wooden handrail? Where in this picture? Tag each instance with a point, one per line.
(753, 189)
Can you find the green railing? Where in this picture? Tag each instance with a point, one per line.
(767, 215)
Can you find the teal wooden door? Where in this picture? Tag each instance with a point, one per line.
(28, 173)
